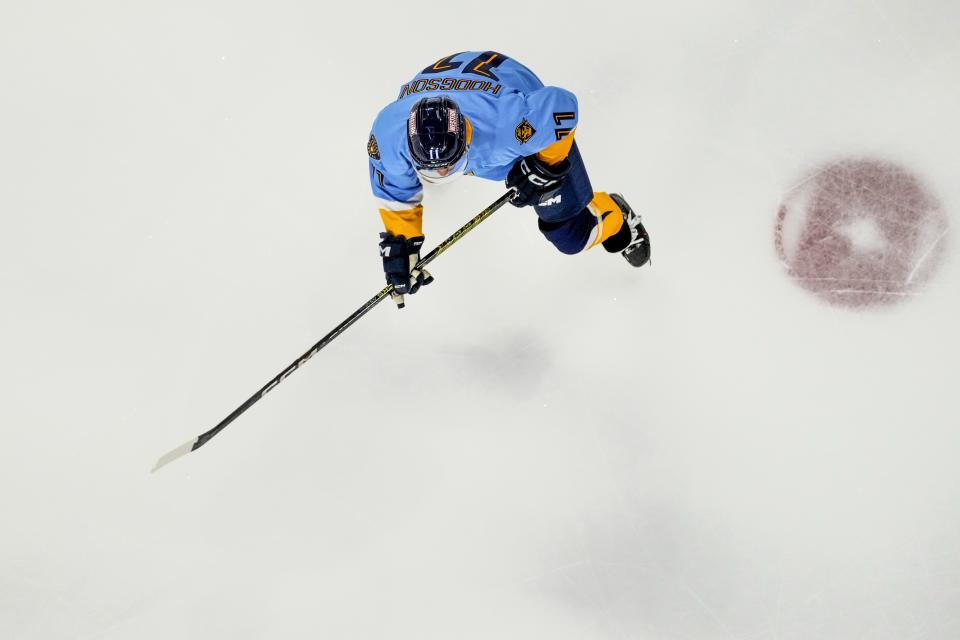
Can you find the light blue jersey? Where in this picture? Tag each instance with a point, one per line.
(509, 114)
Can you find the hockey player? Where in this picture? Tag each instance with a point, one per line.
(484, 114)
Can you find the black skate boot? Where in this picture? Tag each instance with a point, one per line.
(637, 251)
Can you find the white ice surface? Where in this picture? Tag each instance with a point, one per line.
(539, 446)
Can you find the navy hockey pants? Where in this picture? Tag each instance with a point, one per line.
(564, 217)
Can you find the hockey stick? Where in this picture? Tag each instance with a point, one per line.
(203, 438)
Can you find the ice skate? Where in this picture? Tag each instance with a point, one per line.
(637, 252)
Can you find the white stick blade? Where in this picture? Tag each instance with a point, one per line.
(182, 450)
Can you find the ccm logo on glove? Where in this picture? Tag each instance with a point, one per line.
(533, 180)
(400, 258)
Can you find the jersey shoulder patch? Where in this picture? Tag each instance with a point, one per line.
(524, 131)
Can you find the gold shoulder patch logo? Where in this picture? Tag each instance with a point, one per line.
(372, 149)
(524, 131)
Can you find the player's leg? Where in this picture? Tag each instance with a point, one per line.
(576, 218)
(564, 218)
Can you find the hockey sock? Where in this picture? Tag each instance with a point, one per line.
(610, 226)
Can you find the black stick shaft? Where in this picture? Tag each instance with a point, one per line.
(203, 438)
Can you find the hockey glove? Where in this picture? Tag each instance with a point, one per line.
(400, 257)
(533, 178)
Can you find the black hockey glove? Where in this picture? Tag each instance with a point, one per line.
(400, 256)
(533, 178)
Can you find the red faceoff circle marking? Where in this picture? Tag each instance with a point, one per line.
(860, 233)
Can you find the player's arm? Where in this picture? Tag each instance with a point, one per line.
(400, 210)
(557, 152)
(556, 111)
(399, 195)
(545, 136)
(397, 190)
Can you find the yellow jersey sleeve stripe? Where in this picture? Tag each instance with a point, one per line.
(558, 150)
(406, 222)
